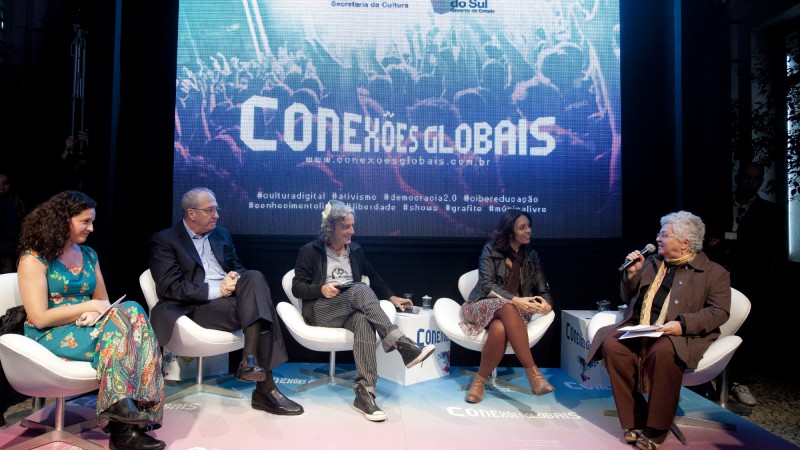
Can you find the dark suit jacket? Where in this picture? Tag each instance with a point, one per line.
(178, 272)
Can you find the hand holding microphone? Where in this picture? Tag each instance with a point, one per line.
(648, 249)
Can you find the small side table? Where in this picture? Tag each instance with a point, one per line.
(422, 329)
(574, 347)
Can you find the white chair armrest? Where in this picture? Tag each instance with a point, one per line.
(389, 309)
(714, 361)
(600, 320)
(538, 326)
(34, 370)
(191, 340)
(321, 339)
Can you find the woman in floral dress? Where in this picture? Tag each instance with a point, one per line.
(63, 292)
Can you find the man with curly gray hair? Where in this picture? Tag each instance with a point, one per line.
(327, 277)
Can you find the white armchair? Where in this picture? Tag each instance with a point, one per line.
(191, 340)
(713, 364)
(447, 313)
(320, 339)
(35, 371)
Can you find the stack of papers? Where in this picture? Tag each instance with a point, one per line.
(634, 331)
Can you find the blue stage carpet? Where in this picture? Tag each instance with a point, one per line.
(426, 415)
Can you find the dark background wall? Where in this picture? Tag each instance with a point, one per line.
(678, 77)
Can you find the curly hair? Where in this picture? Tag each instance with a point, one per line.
(686, 225)
(501, 236)
(46, 229)
(338, 211)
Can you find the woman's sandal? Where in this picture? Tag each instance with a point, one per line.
(646, 443)
(632, 435)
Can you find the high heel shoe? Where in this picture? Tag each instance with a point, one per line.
(476, 389)
(539, 384)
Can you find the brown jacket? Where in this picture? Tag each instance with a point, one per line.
(701, 293)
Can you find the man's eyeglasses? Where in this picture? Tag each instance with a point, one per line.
(209, 211)
(664, 235)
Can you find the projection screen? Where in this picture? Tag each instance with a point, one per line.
(428, 117)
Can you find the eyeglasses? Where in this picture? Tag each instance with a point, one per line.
(664, 235)
(209, 211)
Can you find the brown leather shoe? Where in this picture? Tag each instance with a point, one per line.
(539, 384)
(475, 393)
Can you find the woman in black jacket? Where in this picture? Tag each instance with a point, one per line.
(511, 289)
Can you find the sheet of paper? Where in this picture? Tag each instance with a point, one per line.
(105, 313)
(635, 331)
(640, 328)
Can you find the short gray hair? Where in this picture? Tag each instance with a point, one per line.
(336, 212)
(189, 199)
(686, 225)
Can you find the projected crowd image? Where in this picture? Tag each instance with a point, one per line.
(428, 117)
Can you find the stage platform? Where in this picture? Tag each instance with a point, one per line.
(426, 415)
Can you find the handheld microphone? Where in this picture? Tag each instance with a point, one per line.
(649, 248)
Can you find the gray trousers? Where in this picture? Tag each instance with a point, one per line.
(358, 310)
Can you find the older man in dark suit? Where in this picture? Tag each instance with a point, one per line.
(198, 274)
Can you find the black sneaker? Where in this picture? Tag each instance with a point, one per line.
(365, 403)
(411, 353)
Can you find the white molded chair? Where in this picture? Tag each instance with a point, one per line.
(447, 313)
(712, 365)
(321, 339)
(35, 371)
(191, 340)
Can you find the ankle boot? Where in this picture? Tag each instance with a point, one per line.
(539, 384)
(476, 389)
(130, 437)
(125, 411)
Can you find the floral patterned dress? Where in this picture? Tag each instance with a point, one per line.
(121, 346)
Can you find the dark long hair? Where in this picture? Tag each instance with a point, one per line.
(501, 236)
(45, 230)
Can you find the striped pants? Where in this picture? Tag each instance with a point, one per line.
(358, 310)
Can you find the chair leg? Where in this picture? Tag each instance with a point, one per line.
(331, 378)
(723, 390)
(57, 432)
(209, 387)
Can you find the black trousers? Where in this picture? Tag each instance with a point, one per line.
(252, 301)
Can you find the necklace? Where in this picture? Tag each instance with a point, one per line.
(72, 259)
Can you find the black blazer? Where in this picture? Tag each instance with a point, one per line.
(178, 272)
(310, 271)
